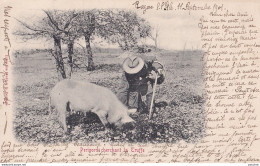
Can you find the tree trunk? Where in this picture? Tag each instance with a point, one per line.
(156, 44)
(89, 54)
(156, 39)
(126, 46)
(70, 57)
(58, 57)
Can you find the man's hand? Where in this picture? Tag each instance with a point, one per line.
(160, 71)
(152, 75)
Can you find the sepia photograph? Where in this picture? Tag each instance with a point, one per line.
(130, 81)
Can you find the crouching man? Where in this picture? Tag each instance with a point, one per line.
(136, 88)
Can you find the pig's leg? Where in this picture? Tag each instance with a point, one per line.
(102, 116)
(61, 108)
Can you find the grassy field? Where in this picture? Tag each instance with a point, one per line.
(182, 119)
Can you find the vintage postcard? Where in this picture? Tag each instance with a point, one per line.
(134, 81)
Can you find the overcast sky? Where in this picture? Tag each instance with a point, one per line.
(176, 30)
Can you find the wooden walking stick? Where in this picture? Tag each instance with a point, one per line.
(151, 106)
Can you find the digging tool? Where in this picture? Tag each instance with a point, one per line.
(154, 88)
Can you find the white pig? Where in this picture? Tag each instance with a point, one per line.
(87, 97)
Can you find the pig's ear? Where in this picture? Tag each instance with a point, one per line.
(128, 126)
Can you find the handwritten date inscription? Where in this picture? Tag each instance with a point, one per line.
(171, 6)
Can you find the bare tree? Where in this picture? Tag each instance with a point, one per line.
(65, 23)
(122, 27)
(155, 36)
(86, 23)
(115, 26)
(56, 25)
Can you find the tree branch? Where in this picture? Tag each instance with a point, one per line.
(33, 29)
(52, 21)
(70, 20)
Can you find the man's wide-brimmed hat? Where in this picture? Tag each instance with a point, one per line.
(133, 64)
